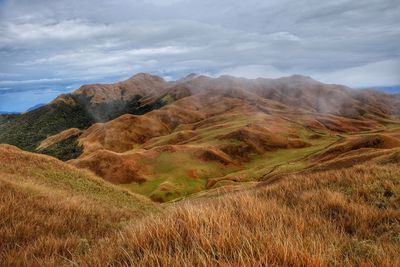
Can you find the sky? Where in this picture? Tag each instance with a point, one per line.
(50, 47)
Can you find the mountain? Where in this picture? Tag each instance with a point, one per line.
(82, 108)
(200, 133)
(389, 89)
(277, 172)
(167, 140)
(7, 113)
(144, 92)
(35, 107)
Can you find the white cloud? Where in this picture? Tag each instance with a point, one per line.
(374, 74)
(254, 71)
(349, 42)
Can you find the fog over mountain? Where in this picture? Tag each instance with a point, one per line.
(50, 47)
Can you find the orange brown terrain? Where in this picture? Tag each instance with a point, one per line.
(313, 165)
(229, 129)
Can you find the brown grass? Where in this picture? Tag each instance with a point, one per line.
(39, 228)
(51, 213)
(346, 217)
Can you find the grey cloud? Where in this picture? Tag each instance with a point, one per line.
(82, 41)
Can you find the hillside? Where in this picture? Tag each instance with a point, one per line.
(198, 133)
(335, 218)
(346, 217)
(203, 171)
(80, 109)
(52, 212)
(227, 131)
(144, 92)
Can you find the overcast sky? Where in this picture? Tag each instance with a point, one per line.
(48, 47)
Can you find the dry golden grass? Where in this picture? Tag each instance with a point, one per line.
(50, 212)
(52, 215)
(41, 229)
(347, 217)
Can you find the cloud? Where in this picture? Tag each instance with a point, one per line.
(254, 71)
(370, 75)
(78, 41)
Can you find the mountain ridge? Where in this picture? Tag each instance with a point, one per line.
(295, 166)
(213, 131)
(143, 93)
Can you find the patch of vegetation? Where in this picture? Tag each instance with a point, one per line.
(4, 118)
(181, 171)
(27, 130)
(65, 150)
(106, 111)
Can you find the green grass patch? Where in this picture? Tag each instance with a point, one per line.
(184, 173)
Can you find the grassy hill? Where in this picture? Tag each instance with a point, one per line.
(27, 130)
(80, 109)
(347, 217)
(203, 171)
(52, 212)
(56, 215)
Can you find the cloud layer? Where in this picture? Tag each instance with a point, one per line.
(58, 45)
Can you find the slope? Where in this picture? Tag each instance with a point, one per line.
(80, 109)
(51, 212)
(347, 217)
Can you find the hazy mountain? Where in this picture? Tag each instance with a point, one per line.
(389, 89)
(35, 107)
(7, 112)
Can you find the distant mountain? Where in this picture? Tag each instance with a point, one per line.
(389, 89)
(35, 107)
(143, 93)
(7, 113)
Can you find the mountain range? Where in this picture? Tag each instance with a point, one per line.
(264, 154)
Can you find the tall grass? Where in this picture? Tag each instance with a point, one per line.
(347, 217)
(38, 228)
(337, 218)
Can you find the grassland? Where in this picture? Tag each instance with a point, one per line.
(51, 213)
(176, 174)
(346, 217)
(168, 181)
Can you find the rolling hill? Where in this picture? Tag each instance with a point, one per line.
(80, 109)
(218, 131)
(51, 211)
(53, 214)
(203, 171)
(181, 137)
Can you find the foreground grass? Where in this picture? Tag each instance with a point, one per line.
(40, 228)
(51, 213)
(54, 215)
(24, 167)
(346, 217)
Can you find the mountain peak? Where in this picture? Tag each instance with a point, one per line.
(301, 77)
(144, 76)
